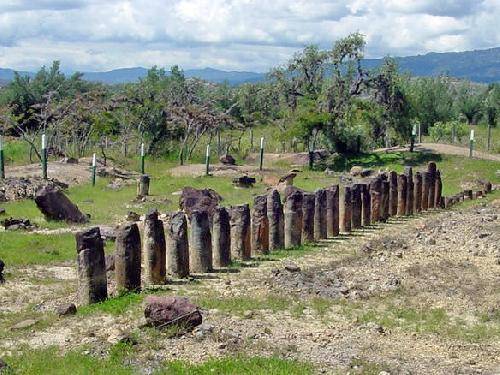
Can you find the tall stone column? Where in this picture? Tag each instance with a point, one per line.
(426, 181)
(260, 226)
(143, 185)
(293, 220)
(366, 201)
(221, 238)
(333, 211)
(240, 232)
(154, 249)
(357, 206)
(200, 242)
(417, 192)
(409, 191)
(176, 236)
(376, 198)
(438, 190)
(431, 170)
(320, 212)
(91, 267)
(384, 207)
(276, 222)
(128, 258)
(393, 193)
(308, 208)
(346, 210)
(402, 192)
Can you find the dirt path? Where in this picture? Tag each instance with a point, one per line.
(411, 296)
(440, 148)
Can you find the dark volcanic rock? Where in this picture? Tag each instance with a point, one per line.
(17, 224)
(2, 266)
(56, 206)
(192, 199)
(227, 160)
(166, 311)
(66, 309)
(244, 181)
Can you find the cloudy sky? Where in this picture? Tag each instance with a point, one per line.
(231, 34)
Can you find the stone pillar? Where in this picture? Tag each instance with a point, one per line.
(143, 185)
(240, 232)
(384, 207)
(293, 220)
(438, 188)
(468, 194)
(366, 203)
(200, 242)
(357, 206)
(154, 249)
(91, 267)
(409, 191)
(425, 191)
(431, 170)
(128, 258)
(376, 198)
(402, 190)
(275, 219)
(320, 212)
(393, 193)
(346, 210)
(333, 211)
(260, 226)
(308, 209)
(177, 245)
(221, 238)
(417, 192)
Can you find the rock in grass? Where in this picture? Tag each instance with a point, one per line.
(162, 312)
(2, 266)
(66, 309)
(56, 206)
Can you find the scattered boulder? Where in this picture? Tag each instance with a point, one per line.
(52, 202)
(244, 181)
(227, 160)
(2, 211)
(162, 312)
(66, 309)
(14, 188)
(192, 199)
(2, 266)
(24, 324)
(133, 216)
(68, 160)
(17, 224)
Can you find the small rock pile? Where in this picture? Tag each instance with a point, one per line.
(12, 189)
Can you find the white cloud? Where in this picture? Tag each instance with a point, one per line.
(230, 34)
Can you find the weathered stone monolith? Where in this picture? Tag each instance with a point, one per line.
(240, 232)
(221, 238)
(357, 206)
(438, 190)
(91, 267)
(293, 220)
(308, 208)
(276, 220)
(402, 190)
(376, 198)
(425, 190)
(431, 170)
(384, 207)
(200, 242)
(320, 211)
(143, 186)
(333, 211)
(154, 249)
(409, 191)
(393, 193)
(128, 258)
(417, 192)
(346, 210)
(176, 237)
(366, 203)
(260, 226)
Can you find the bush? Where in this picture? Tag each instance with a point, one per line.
(451, 131)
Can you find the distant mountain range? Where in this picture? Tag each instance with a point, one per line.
(478, 66)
